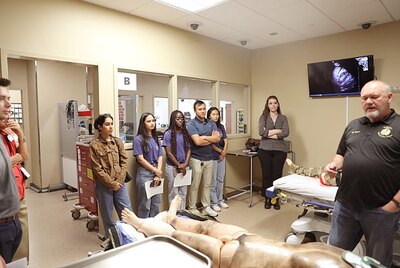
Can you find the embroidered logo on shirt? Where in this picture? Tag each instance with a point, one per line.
(386, 132)
(355, 132)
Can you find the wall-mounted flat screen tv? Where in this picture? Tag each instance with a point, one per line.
(340, 77)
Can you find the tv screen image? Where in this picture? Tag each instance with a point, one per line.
(340, 77)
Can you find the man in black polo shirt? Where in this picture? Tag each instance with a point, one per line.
(367, 201)
(203, 133)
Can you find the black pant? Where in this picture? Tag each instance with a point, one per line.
(10, 237)
(271, 166)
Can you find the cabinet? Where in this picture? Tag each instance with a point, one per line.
(87, 195)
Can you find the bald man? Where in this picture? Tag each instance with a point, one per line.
(367, 201)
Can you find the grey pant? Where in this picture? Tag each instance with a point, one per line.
(170, 173)
(217, 182)
(146, 207)
(378, 226)
(200, 170)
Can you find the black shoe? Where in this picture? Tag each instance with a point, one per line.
(277, 205)
(267, 204)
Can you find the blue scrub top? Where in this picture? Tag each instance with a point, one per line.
(152, 154)
(180, 146)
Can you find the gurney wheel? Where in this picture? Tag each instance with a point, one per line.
(90, 225)
(76, 214)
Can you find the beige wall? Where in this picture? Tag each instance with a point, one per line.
(75, 31)
(316, 124)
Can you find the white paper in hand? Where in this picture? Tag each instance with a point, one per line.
(150, 191)
(181, 180)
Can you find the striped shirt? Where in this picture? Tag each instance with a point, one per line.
(265, 125)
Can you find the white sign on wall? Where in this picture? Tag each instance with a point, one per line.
(127, 81)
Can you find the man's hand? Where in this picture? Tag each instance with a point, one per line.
(331, 169)
(14, 126)
(215, 134)
(391, 207)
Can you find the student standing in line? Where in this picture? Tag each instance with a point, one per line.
(148, 153)
(109, 164)
(203, 133)
(219, 152)
(177, 146)
(273, 127)
(17, 148)
(10, 227)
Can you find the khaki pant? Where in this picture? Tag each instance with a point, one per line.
(23, 249)
(200, 169)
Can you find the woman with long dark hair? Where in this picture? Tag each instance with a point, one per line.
(273, 127)
(109, 165)
(178, 149)
(219, 153)
(148, 153)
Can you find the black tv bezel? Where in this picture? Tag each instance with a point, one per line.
(339, 94)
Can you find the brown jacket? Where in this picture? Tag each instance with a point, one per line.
(109, 164)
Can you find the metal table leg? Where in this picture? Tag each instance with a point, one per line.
(251, 182)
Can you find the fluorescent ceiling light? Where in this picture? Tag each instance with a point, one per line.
(191, 5)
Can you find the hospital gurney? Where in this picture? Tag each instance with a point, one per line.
(317, 201)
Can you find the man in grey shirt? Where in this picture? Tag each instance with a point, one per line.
(10, 227)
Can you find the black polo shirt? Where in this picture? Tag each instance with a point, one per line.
(371, 168)
(195, 126)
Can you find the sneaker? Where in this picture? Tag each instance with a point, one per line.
(223, 205)
(216, 208)
(194, 211)
(210, 212)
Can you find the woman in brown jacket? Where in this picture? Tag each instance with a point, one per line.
(109, 164)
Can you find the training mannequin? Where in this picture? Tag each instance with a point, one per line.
(232, 246)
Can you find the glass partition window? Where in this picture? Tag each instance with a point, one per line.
(151, 96)
(186, 106)
(160, 112)
(190, 90)
(233, 106)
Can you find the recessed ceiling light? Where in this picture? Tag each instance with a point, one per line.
(274, 33)
(191, 5)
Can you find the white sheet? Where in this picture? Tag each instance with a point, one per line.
(306, 186)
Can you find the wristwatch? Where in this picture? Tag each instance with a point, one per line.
(396, 202)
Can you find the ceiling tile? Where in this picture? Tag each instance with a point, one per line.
(120, 5)
(312, 25)
(265, 6)
(394, 8)
(349, 18)
(283, 35)
(158, 12)
(329, 6)
(227, 13)
(254, 24)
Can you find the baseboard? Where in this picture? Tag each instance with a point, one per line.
(57, 187)
(37, 189)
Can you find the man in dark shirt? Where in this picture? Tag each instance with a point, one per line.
(203, 133)
(367, 201)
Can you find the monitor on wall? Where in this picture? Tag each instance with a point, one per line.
(342, 77)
